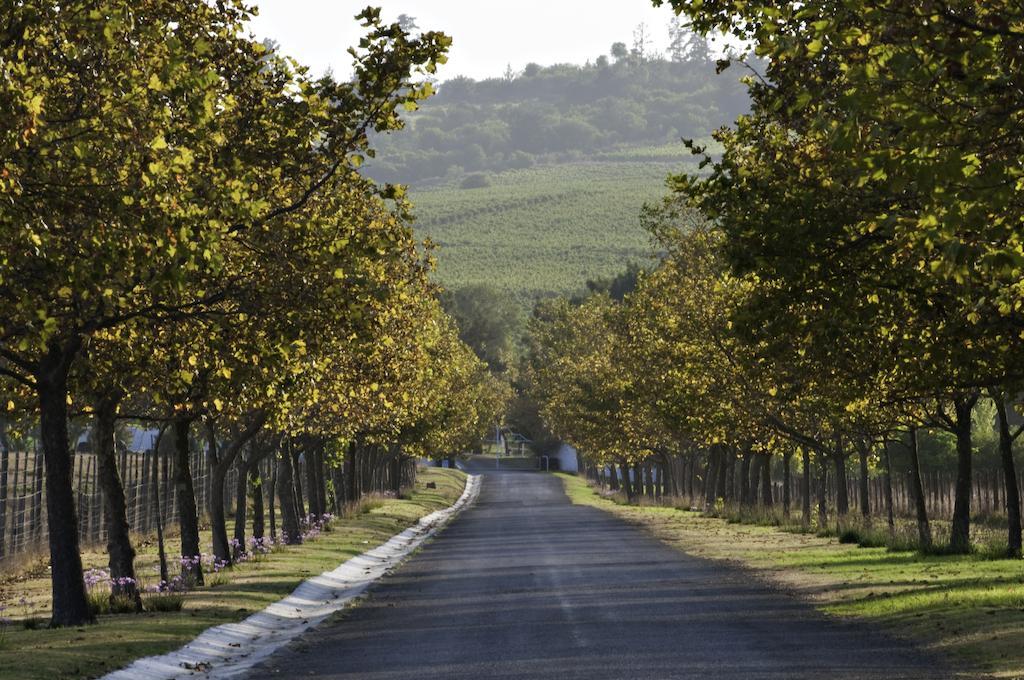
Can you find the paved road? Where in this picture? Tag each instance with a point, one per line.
(526, 585)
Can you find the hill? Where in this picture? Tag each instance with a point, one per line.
(533, 183)
(546, 230)
(559, 114)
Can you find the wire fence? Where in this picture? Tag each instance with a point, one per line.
(988, 495)
(988, 489)
(148, 480)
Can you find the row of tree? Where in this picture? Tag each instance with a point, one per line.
(848, 272)
(186, 238)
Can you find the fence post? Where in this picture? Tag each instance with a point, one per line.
(143, 501)
(37, 500)
(4, 454)
(18, 503)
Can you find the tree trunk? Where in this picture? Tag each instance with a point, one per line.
(842, 496)
(710, 477)
(960, 532)
(766, 480)
(721, 486)
(729, 488)
(396, 472)
(924, 532)
(188, 517)
(1010, 478)
(220, 464)
(215, 501)
(627, 483)
(865, 500)
(290, 532)
(241, 503)
(613, 478)
(296, 477)
(70, 603)
(691, 489)
(337, 482)
(822, 491)
(890, 511)
(755, 478)
(158, 513)
(311, 481)
(786, 483)
(321, 478)
(121, 554)
(351, 482)
(258, 521)
(746, 497)
(272, 496)
(805, 487)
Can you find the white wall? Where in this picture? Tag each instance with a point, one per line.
(566, 456)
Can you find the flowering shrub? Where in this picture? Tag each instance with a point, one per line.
(260, 546)
(170, 595)
(312, 526)
(102, 600)
(165, 596)
(175, 585)
(95, 577)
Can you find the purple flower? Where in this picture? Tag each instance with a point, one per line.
(95, 577)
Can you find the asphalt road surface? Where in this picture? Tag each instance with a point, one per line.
(526, 585)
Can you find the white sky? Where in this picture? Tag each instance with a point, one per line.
(487, 35)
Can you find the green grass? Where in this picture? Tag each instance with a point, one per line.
(546, 230)
(969, 606)
(91, 651)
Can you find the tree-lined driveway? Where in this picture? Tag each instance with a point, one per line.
(526, 585)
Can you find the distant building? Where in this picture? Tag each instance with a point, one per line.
(135, 439)
(567, 459)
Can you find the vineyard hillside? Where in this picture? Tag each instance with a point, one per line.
(546, 230)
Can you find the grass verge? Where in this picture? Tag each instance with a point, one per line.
(971, 607)
(88, 652)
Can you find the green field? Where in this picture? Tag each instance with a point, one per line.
(547, 229)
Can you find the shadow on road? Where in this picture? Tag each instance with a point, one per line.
(526, 585)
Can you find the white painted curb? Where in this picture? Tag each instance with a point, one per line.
(233, 648)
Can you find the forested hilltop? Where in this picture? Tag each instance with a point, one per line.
(564, 113)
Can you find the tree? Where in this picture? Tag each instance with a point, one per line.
(889, 187)
(407, 24)
(677, 40)
(641, 44)
(163, 174)
(488, 321)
